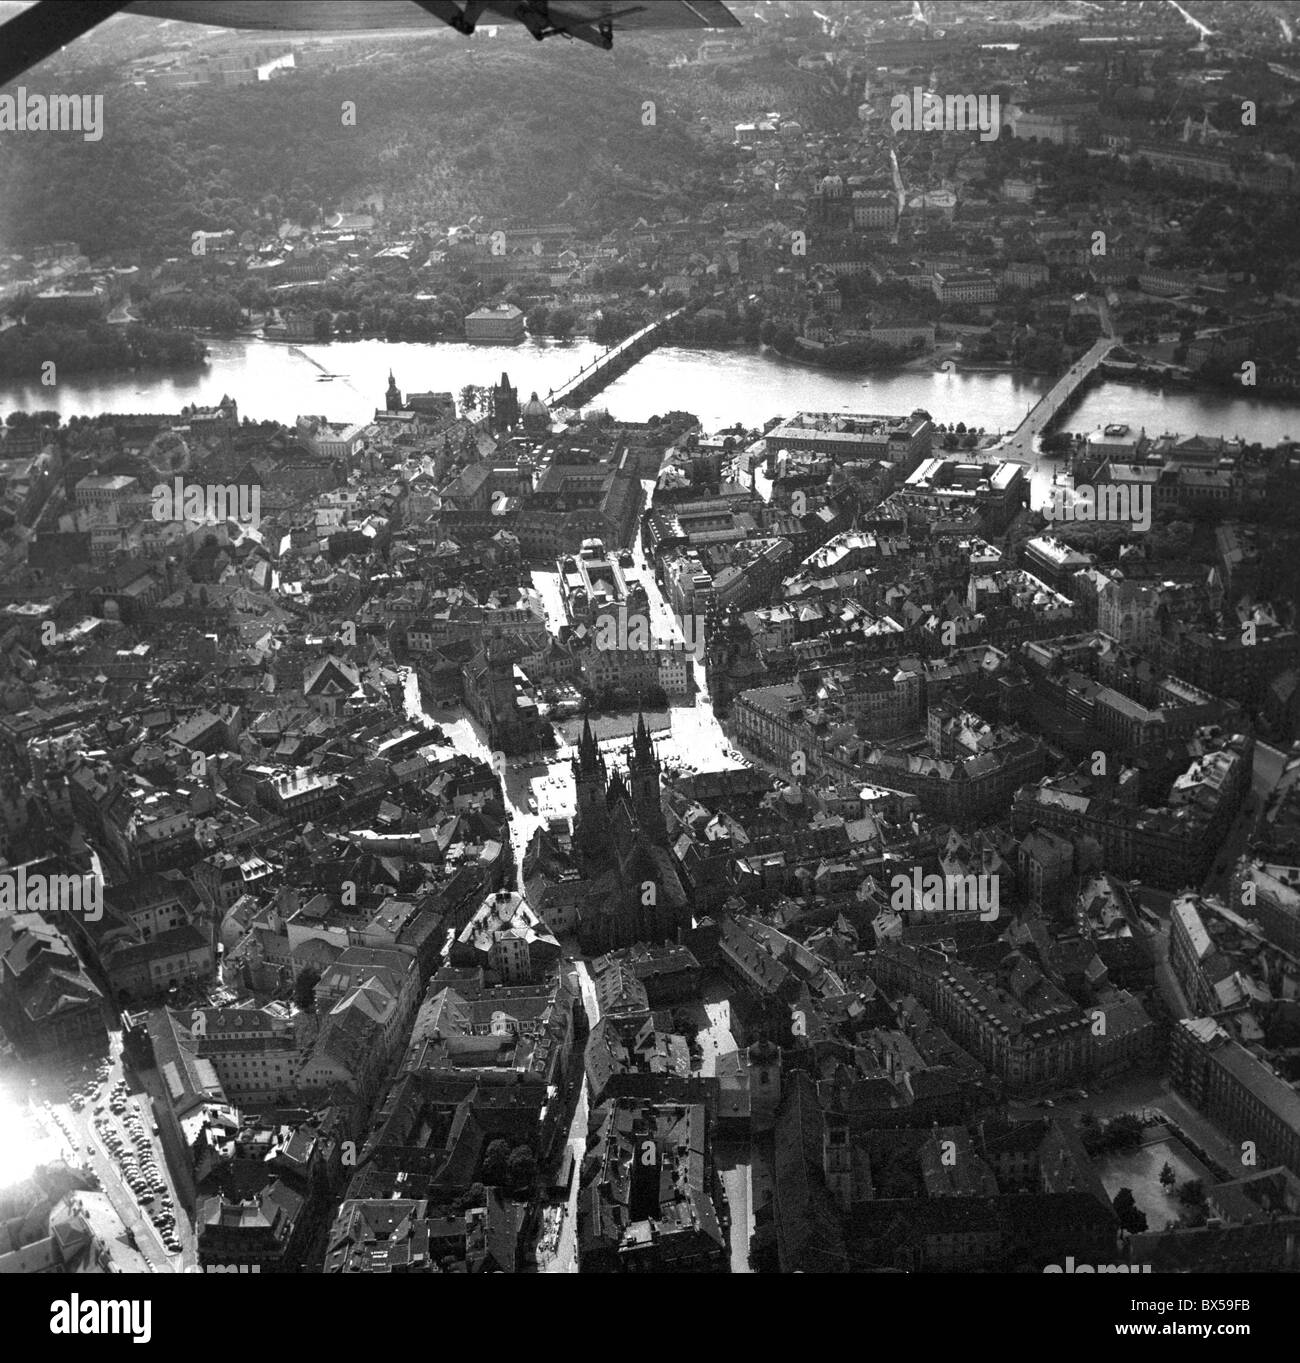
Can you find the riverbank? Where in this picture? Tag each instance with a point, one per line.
(889, 367)
(959, 368)
(248, 333)
(722, 387)
(64, 367)
(936, 361)
(45, 355)
(258, 334)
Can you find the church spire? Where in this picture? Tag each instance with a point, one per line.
(587, 750)
(591, 815)
(642, 744)
(644, 772)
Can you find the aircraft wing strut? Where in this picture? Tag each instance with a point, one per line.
(39, 32)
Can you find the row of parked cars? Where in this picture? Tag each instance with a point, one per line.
(139, 1168)
(57, 1118)
(83, 1084)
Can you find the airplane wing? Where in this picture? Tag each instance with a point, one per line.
(360, 15)
(44, 28)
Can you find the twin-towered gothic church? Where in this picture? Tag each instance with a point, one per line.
(636, 889)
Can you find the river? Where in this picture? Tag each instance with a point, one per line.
(277, 381)
(1209, 412)
(273, 380)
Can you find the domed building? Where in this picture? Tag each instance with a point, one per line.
(535, 417)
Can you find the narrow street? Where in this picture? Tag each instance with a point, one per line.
(565, 1257)
(733, 1158)
(1166, 981)
(1234, 845)
(734, 1171)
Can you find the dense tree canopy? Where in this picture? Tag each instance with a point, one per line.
(567, 136)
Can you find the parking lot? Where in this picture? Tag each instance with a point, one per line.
(122, 1128)
(106, 1129)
